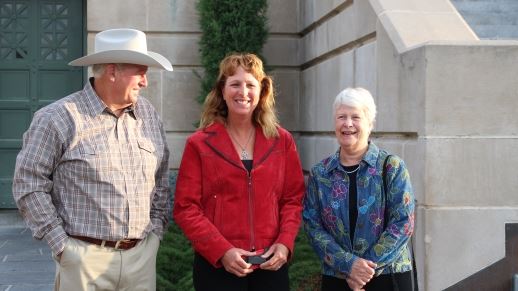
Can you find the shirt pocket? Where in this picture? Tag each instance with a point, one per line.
(149, 156)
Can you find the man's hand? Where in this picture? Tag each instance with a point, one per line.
(233, 262)
(280, 256)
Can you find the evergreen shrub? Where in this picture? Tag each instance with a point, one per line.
(229, 26)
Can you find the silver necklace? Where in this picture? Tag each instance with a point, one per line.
(350, 172)
(244, 153)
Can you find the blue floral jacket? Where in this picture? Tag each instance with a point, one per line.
(326, 214)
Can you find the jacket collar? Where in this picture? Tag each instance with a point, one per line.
(370, 157)
(219, 140)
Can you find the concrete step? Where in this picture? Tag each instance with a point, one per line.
(486, 7)
(11, 217)
(490, 19)
(496, 31)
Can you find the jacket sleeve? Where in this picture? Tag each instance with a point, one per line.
(324, 244)
(160, 206)
(290, 204)
(401, 216)
(188, 209)
(32, 182)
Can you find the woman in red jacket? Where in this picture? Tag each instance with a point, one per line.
(240, 185)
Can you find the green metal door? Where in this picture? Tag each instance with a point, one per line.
(37, 40)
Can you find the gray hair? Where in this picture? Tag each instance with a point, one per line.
(98, 69)
(358, 98)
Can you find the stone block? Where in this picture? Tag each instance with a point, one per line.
(409, 29)
(365, 18)
(282, 51)
(180, 49)
(308, 50)
(471, 171)
(308, 99)
(172, 16)
(332, 77)
(354, 22)
(342, 29)
(365, 67)
(287, 89)
(400, 89)
(328, 86)
(153, 92)
(176, 144)
(313, 149)
(381, 6)
(324, 147)
(457, 250)
(181, 111)
(306, 148)
(101, 15)
(307, 13)
(471, 89)
(283, 16)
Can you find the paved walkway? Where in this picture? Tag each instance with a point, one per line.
(25, 263)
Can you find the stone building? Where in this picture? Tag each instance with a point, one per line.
(446, 95)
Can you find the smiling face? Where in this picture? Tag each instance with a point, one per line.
(241, 93)
(352, 128)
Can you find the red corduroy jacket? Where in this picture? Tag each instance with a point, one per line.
(219, 205)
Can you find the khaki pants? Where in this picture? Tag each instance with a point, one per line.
(88, 267)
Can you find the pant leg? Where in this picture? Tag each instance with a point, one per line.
(85, 267)
(261, 280)
(380, 283)
(207, 278)
(138, 266)
(330, 283)
(404, 281)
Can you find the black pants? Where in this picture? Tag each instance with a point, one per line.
(379, 283)
(207, 278)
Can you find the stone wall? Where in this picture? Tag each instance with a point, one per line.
(456, 94)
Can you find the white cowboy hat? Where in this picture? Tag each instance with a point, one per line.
(122, 45)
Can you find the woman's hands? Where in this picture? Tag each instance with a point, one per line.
(234, 263)
(361, 273)
(279, 253)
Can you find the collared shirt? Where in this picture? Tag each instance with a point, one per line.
(326, 214)
(84, 171)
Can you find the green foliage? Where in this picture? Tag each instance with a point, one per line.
(229, 26)
(174, 261)
(305, 266)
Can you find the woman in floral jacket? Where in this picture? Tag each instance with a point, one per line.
(359, 232)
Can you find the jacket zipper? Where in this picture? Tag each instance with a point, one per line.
(251, 212)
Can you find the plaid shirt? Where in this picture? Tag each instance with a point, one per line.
(83, 171)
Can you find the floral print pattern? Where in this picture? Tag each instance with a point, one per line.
(326, 214)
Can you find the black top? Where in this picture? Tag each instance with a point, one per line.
(248, 164)
(353, 198)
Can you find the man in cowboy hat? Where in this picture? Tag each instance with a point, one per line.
(92, 176)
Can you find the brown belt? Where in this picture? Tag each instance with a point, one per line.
(124, 244)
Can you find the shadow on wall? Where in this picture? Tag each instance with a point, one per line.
(498, 276)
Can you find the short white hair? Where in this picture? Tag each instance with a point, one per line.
(358, 98)
(98, 69)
